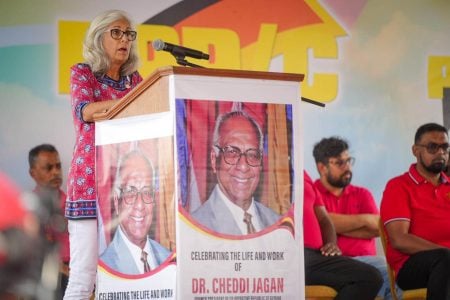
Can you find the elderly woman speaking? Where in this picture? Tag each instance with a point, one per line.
(108, 74)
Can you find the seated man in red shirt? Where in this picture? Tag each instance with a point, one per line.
(352, 209)
(415, 213)
(324, 264)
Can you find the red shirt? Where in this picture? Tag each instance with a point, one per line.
(311, 228)
(353, 200)
(412, 198)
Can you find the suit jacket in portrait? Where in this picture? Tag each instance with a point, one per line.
(215, 215)
(118, 257)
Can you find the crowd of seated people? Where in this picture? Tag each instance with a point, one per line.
(413, 215)
(341, 223)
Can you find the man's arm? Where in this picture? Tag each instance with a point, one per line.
(403, 241)
(329, 247)
(364, 226)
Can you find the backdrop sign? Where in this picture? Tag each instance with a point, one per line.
(381, 66)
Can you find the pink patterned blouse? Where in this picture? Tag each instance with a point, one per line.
(85, 88)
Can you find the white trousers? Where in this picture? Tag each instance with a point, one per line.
(83, 259)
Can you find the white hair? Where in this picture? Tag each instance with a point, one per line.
(235, 114)
(93, 51)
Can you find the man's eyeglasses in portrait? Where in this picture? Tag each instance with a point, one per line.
(232, 155)
(130, 194)
(117, 34)
(433, 148)
(342, 163)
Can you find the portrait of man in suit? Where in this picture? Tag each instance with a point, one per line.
(131, 250)
(236, 158)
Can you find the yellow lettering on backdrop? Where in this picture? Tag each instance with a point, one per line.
(70, 45)
(322, 40)
(438, 75)
(70, 42)
(151, 59)
(224, 43)
(225, 49)
(294, 45)
(258, 55)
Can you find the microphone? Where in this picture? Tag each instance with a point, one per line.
(178, 51)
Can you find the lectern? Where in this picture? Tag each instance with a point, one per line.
(169, 119)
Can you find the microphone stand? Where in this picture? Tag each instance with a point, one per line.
(183, 62)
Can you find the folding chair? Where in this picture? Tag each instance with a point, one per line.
(319, 292)
(416, 294)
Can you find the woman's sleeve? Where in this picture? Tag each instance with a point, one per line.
(81, 89)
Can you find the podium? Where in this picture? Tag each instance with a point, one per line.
(169, 118)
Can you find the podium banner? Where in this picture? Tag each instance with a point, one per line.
(135, 184)
(199, 180)
(217, 168)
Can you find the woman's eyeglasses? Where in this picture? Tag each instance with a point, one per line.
(117, 34)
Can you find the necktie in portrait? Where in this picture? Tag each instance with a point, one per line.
(248, 220)
(145, 262)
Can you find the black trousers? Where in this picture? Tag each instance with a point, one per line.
(427, 269)
(352, 279)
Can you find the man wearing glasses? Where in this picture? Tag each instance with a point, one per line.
(352, 209)
(132, 251)
(415, 211)
(236, 158)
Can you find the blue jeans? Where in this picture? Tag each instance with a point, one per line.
(379, 262)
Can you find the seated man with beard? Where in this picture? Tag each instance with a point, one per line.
(415, 214)
(352, 209)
